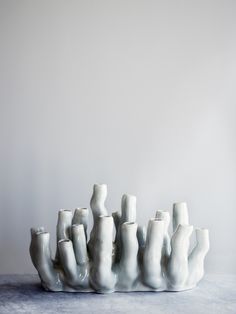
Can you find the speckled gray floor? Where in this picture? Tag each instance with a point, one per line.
(23, 294)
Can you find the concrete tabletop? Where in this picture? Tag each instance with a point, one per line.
(23, 294)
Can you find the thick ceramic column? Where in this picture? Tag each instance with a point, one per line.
(102, 277)
(128, 270)
(68, 262)
(177, 269)
(41, 257)
(152, 272)
(197, 256)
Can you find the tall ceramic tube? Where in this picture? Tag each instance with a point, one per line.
(81, 217)
(41, 257)
(68, 261)
(64, 224)
(180, 215)
(128, 267)
(152, 272)
(128, 214)
(177, 269)
(63, 228)
(102, 277)
(128, 208)
(197, 256)
(79, 244)
(97, 205)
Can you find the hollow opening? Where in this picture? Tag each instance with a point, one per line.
(77, 226)
(42, 232)
(157, 219)
(64, 240)
(105, 216)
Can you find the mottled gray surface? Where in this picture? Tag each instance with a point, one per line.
(23, 294)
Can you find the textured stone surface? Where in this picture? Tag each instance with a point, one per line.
(23, 294)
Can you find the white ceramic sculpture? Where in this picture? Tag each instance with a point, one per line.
(120, 255)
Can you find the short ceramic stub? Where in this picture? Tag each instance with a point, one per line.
(119, 254)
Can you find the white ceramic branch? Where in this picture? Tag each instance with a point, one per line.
(135, 259)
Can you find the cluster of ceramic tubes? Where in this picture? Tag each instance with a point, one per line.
(119, 255)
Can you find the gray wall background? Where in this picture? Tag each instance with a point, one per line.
(136, 94)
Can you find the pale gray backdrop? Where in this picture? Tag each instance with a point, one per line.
(140, 95)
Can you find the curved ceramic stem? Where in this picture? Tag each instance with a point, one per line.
(97, 205)
(81, 217)
(128, 267)
(41, 257)
(152, 254)
(102, 278)
(197, 256)
(177, 269)
(180, 215)
(68, 261)
(79, 244)
(98, 199)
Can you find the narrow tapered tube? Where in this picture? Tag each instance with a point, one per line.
(81, 217)
(97, 205)
(128, 208)
(68, 261)
(64, 224)
(79, 244)
(128, 214)
(180, 215)
(197, 256)
(177, 268)
(102, 278)
(152, 272)
(63, 228)
(128, 267)
(41, 257)
(165, 216)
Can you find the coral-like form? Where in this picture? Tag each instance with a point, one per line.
(120, 255)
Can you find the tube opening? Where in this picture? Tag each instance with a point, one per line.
(64, 240)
